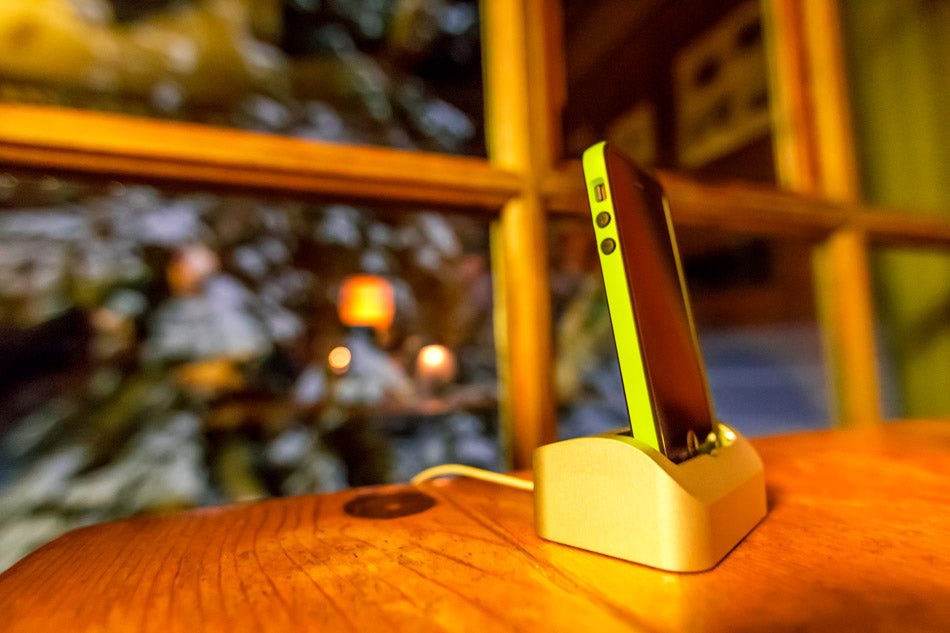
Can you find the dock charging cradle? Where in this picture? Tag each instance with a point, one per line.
(613, 494)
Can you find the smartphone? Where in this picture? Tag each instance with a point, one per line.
(664, 379)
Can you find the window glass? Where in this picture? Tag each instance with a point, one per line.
(397, 73)
(913, 299)
(678, 85)
(896, 56)
(755, 317)
(163, 350)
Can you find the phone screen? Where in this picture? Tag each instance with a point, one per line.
(672, 365)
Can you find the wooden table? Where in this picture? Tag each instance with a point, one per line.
(857, 538)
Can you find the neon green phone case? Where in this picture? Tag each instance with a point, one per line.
(664, 379)
(636, 391)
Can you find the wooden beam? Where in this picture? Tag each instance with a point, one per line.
(127, 147)
(751, 208)
(902, 228)
(731, 206)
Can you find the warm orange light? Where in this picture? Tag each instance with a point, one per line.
(433, 355)
(339, 359)
(435, 363)
(366, 301)
(210, 376)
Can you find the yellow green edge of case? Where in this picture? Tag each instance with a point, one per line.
(622, 319)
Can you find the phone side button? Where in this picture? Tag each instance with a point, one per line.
(608, 246)
(603, 219)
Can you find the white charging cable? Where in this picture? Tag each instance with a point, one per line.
(451, 470)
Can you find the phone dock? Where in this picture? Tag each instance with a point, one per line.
(613, 494)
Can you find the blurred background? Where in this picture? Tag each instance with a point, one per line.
(166, 346)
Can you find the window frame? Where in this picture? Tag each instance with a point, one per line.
(525, 180)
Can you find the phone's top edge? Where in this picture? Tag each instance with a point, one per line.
(593, 153)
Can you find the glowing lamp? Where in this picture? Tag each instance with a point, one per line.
(339, 359)
(366, 301)
(435, 364)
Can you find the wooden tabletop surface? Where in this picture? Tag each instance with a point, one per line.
(857, 539)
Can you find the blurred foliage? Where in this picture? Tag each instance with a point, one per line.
(402, 73)
(166, 351)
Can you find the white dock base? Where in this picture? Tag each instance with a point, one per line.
(612, 494)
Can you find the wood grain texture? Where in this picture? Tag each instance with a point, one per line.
(118, 146)
(855, 540)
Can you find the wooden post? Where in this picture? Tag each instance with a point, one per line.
(521, 100)
(815, 154)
